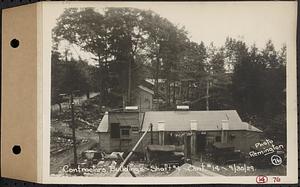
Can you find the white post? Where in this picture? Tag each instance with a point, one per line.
(225, 126)
(161, 129)
(194, 128)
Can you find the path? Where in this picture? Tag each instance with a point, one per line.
(59, 160)
(77, 100)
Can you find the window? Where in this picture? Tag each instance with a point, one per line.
(115, 130)
(218, 138)
(135, 130)
(125, 132)
(232, 136)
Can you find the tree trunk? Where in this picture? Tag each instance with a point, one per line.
(207, 95)
(129, 81)
(87, 94)
(101, 85)
(188, 91)
(174, 92)
(156, 78)
(168, 93)
(60, 108)
(180, 91)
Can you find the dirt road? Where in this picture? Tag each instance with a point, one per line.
(59, 160)
(77, 100)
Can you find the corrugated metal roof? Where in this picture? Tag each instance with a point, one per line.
(206, 120)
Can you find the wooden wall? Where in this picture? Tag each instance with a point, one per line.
(144, 100)
(241, 140)
(108, 144)
(244, 139)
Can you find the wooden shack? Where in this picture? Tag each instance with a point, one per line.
(119, 130)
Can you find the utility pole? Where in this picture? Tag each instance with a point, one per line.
(73, 130)
(72, 120)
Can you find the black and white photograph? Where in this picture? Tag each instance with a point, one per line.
(186, 89)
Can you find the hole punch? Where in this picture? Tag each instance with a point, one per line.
(16, 149)
(14, 43)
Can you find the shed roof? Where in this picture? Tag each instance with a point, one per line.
(146, 89)
(103, 126)
(206, 120)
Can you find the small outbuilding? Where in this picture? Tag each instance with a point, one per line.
(143, 98)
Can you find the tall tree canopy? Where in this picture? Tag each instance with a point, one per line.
(123, 39)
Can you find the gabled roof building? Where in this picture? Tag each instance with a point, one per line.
(197, 131)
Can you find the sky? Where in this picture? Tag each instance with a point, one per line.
(252, 22)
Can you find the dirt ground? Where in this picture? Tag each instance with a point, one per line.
(87, 139)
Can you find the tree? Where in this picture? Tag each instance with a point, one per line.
(86, 29)
(165, 47)
(235, 52)
(68, 76)
(217, 80)
(57, 72)
(158, 30)
(248, 91)
(193, 74)
(171, 51)
(126, 38)
(258, 87)
(275, 79)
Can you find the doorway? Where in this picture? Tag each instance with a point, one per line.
(201, 142)
(188, 146)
